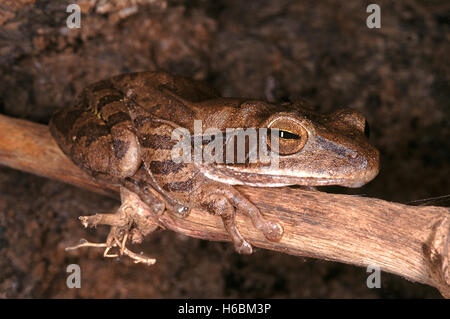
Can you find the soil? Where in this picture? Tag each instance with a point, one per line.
(397, 75)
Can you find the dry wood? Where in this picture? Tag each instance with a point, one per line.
(410, 241)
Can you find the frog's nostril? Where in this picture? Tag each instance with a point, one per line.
(366, 129)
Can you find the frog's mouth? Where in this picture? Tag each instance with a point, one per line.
(277, 178)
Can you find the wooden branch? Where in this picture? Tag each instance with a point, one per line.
(410, 241)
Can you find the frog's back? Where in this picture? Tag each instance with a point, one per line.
(100, 106)
(99, 134)
(165, 96)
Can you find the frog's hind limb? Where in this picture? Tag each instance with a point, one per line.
(223, 201)
(132, 222)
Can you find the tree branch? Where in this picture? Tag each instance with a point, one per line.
(410, 241)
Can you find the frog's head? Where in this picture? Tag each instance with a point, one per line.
(331, 149)
(314, 149)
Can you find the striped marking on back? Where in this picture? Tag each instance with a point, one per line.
(155, 141)
(92, 131)
(116, 118)
(65, 120)
(120, 148)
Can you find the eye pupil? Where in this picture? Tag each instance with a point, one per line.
(288, 135)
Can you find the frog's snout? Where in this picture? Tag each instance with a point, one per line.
(367, 172)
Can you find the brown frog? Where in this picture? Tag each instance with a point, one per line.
(122, 131)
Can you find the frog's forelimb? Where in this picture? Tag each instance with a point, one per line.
(223, 200)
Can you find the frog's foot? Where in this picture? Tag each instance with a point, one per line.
(132, 222)
(224, 201)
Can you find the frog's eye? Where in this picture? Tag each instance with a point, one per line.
(292, 136)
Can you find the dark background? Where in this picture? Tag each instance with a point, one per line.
(398, 76)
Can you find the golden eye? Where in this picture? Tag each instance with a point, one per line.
(292, 136)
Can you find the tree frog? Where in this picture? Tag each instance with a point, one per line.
(121, 130)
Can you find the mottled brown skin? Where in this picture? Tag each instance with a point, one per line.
(120, 132)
